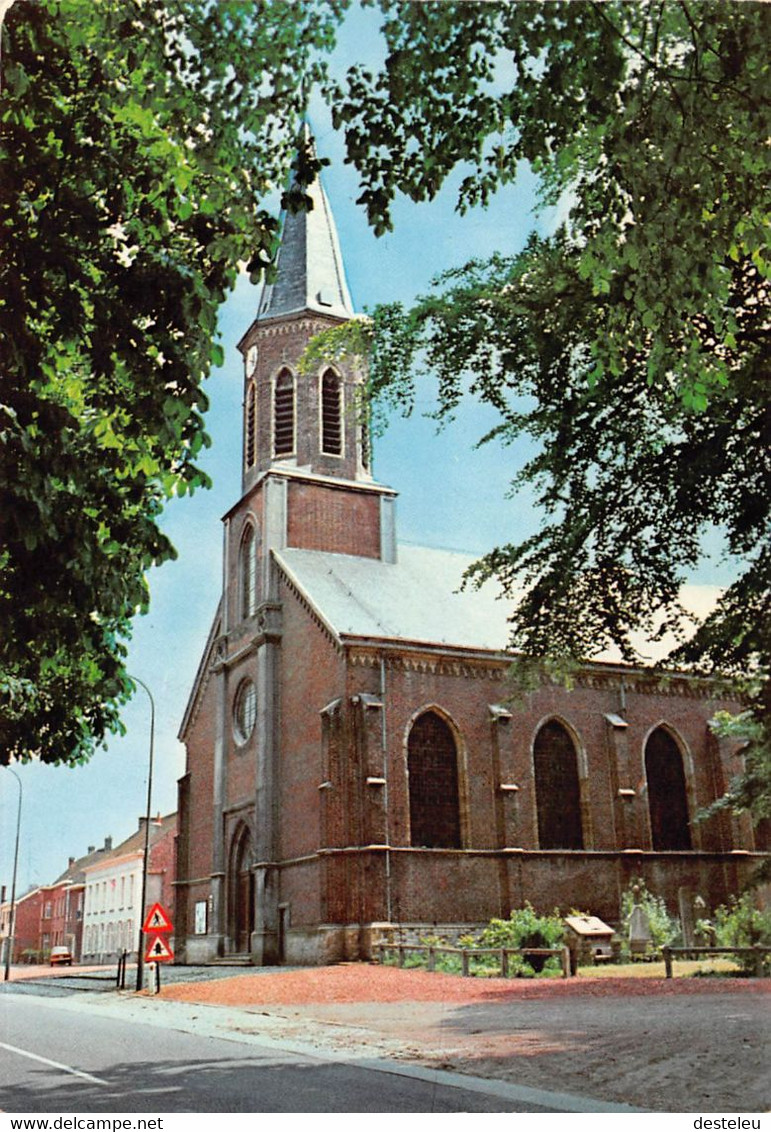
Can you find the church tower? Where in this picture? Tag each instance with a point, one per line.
(306, 484)
(306, 459)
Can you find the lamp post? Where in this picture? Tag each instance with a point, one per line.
(12, 920)
(146, 855)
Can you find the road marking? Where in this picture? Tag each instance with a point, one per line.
(54, 1064)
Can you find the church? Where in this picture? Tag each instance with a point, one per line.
(360, 766)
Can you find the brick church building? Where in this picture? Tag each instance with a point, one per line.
(356, 762)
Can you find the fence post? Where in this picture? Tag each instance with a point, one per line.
(667, 954)
(758, 961)
(566, 968)
(504, 963)
(401, 954)
(464, 962)
(431, 959)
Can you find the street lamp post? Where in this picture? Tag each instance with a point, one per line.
(146, 855)
(12, 920)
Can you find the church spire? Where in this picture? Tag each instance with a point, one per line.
(309, 269)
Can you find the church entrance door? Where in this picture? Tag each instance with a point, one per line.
(243, 894)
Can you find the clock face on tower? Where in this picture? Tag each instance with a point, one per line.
(251, 360)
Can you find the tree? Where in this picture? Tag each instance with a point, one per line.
(632, 343)
(138, 141)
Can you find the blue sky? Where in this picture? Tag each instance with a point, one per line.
(451, 495)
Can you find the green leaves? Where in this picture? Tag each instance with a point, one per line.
(137, 142)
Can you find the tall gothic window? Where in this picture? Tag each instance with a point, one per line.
(557, 789)
(432, 761)
(250, 426)
(247, 570)
(667, 796)
(331, 414)
(283, 414)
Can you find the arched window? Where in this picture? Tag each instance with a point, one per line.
(557, 789)
(247, 570)
(331, 414)
(432, 761)
(667, 796)
(250, 426)
(283, 414)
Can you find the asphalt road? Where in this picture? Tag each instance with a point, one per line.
(56, 1060)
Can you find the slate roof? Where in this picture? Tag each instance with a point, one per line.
(309, 269)
(415, 599)
(418, 600)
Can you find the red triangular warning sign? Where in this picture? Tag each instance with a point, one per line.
(158, 950)
(157, 920)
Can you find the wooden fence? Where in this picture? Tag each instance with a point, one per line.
(757, 953)
(469, 953)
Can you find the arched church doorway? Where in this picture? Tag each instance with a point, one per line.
(667, 794)
(242, 892)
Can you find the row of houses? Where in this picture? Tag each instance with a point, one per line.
(94, 907)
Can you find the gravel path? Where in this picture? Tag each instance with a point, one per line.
(680, 1045)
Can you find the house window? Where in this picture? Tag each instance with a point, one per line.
(667, 795)
(250, 426)
(331, 415)
(557, 788)
(432, 761)
(247, 566)
(283, 414)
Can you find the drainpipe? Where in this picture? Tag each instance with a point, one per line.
(384, 750)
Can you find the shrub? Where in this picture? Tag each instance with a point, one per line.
(525, 928)
(741, 924)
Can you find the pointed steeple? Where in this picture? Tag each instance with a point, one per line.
(309, 269)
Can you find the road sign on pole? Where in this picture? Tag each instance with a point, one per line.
(158, 950)
(157, 920)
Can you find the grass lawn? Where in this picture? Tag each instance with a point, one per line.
(655, 970)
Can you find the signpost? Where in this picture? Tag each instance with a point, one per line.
(156, 927)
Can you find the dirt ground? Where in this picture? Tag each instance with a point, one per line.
(681, 1045)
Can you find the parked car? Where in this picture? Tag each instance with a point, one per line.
(60, 956)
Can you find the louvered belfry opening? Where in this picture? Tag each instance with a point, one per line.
(331, 415)
(250, 432)
(433, 775)
(283, 414)
(557, 789)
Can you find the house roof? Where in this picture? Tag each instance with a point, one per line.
(75, 872)
(159, 827)
(418, 600)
